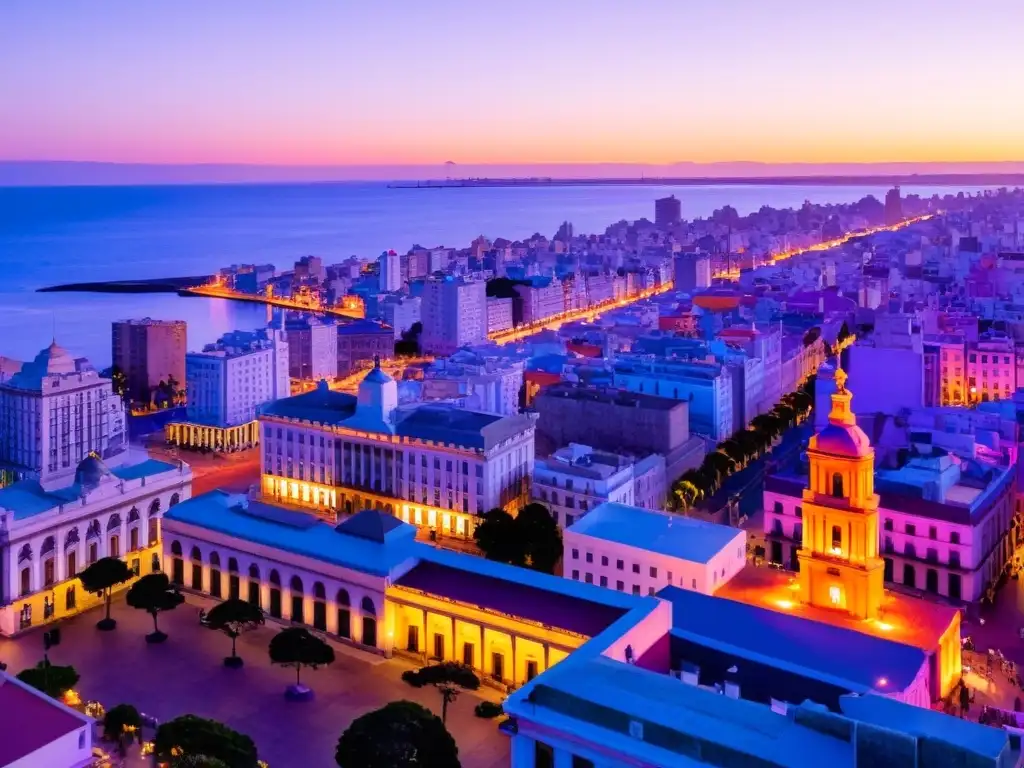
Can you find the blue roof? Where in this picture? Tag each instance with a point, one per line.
(363, 326)
(320, 404)
(836, 655)
(295, 532)
(666, 534)
(146, 468)
(445, 423)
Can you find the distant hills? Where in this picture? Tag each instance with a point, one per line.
(74, 173)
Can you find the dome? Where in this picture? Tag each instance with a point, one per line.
(90, 472)
(841, 440)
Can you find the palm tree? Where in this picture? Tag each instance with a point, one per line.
(687, 494)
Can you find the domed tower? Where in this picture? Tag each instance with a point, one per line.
(839, 563)
(377, 401)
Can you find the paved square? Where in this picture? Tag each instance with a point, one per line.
(185, 676)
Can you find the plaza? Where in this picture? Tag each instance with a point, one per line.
(185, 676)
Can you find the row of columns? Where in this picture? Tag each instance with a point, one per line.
(217, 438)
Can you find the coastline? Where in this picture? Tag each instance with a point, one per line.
(152, 285)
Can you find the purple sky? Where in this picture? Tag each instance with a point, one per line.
(517, 81)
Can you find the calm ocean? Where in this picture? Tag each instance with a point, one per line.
(51, 235)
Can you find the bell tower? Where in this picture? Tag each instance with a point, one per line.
(839, 563)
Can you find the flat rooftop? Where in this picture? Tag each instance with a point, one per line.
(673, 535)
(558, 609)
(902, 619)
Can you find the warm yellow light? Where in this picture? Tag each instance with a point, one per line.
(785, 604)
(835, 595)
(837, 550)
(71, 698)
(885, 627)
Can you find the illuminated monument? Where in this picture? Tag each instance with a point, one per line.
(839, 563)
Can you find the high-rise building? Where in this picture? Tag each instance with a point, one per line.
(893, 206)
(227, 383)
(56, 411)
(454, 314)
(149, 352)
(390, 272)
(312, 348)
(668, 211)
(691, 271)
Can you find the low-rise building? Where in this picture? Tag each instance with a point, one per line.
(312, 348)
(50, 532)
(577, 479)
(491, 385)
(637, 550)
(360, 342)
(499, 314)
(40, 731)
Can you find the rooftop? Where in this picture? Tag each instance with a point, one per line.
(32, 720)
(354, 544)
(611, 396)
(673, 535)
(443, 423)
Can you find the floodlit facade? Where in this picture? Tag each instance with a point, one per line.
(50, 533)
(432, 465)
(227, 383)
(55, 411)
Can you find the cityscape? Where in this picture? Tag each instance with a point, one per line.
(710, 466)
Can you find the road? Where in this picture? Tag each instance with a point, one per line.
(230, 471)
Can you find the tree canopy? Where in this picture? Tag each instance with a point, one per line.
(120, 721)
(298, 647)
(233, 617)
(450, 678)
(401, 734)
(530, 538)
(102, 576)
(154, 594)
(190, 737)
(52, 680)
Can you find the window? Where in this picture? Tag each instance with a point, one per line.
(954, 537)
(837, 540)
(575, 554)
(654, 572)
(636, 567)
(576, 575)
(693, 584)
(669, 576)
(619, 586)
(887, 524)
(837, 485)
(800, 512)
(604, 581)
(636, 589)
(543, 755)
(619, 565)
(954, 558)
(910, 529)
(604, 560)
(778, 508)
(581, 762)
(933, 532)
(589, 578)
(835, 595)
(590, 557)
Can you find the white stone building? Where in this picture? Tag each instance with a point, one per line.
(641, 551)
(432, 465)
(576, 479)
(54, 412)
(40, 731)
(52, 531)
(227, 383)
(454, 314)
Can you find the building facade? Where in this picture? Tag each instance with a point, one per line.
(312, 348)
(227, 382)
(454, 314)
(149, 352)
(50, 533)
(499, 314)
(432, 465)
(361, 341)
(54, 412)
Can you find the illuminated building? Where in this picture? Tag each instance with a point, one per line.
(360, 341)
(312, 347)
(432, 465)
(454, 314)
(40, 731)
(227, 383)
(390, 272)
(54, 411)
(368, 582)
(54, 530)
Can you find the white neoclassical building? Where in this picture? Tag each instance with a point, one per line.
(50, 532)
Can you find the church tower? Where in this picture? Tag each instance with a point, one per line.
(839, 563)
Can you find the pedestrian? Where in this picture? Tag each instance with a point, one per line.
(965, 700)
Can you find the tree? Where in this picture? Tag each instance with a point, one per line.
(409, 346)
(234, 617)
(844, 333)
(119, 382)
(101, 577)
(687, 493)
(450, 678)
(155, 594)
(497, 537)
(190, 737)
(120, 723)
(401, 734)
(540, 536)
(298, 647)
(52, 680)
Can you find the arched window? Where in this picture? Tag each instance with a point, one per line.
(369, 622)
(254, 572)
(196, 554)
(25, 554)
(69, 598)
(298, 612)
(837, 539)
(344, 614)
(319, 592)
(175, 498)
(49, 544)
(176, 548)
(296, 584)
(154, 508)
(275, 594)
(275, 578)
(214, 560)
(837, 485)
(71, 539)
(133, 514)
(114, 522)
(319, 607)
(368, 608)
(26, 581)
(93, 530)
(215, 574)
(232, 565)
(254, 586)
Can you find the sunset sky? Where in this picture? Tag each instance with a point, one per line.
(511, 81)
